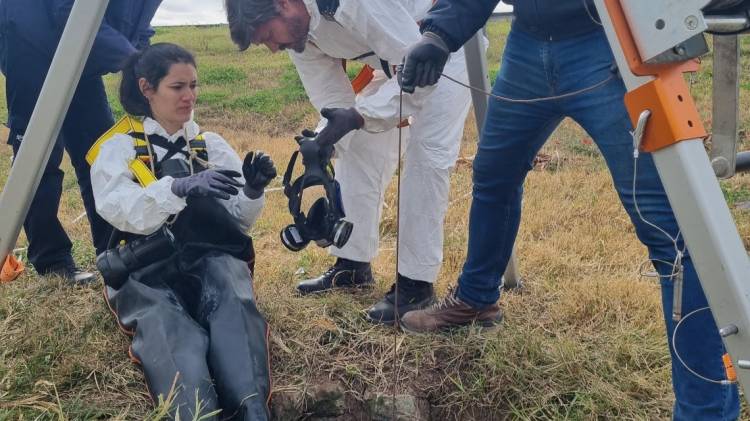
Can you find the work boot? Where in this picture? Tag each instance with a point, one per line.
(71, 274)
(450, 313)
(343, 274)
(412, 295)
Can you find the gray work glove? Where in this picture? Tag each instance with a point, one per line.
(259, 171)
(424, 63)
(209, 183)
(340, 122)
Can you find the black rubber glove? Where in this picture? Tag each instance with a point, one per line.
(209, 183)
(326, 152)
(306, 134)
(259, 171)
(340, 122)
(424, 63)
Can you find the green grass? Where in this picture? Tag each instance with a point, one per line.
(583, 341)
(273, 100)
(734, 193)
(230, 80)
(212, 98)
(221, 75)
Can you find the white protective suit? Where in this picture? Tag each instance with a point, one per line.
(376, 32)
(129, 207)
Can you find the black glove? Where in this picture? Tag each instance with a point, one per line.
(259, 171)
(326, 152)
(424, 63)
(306, 134)
(340, 122)
(209, 183)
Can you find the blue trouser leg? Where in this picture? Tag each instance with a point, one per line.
(25, 70)
(569, 66)
(511, 137)
(89, 116)
(49, 245)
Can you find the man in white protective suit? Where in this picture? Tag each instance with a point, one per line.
(320, 36)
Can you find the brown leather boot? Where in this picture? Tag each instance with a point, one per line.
(450, 313)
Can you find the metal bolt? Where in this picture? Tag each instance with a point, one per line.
(720, 166)
(680, 50)
(728, 331)
(691, 22)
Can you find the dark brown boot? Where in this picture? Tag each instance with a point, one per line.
(450, 313)
(412, 295)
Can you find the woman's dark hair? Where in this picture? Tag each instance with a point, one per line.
(153, 64)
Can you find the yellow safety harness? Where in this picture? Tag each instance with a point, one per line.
(143, 166)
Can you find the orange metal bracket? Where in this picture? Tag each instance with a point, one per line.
(674, 116)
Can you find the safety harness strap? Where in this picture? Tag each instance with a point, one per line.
(141, 166)
(172, 148)
(197, 145)
(127, 124)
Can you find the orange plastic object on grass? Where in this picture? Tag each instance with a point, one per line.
(12, 269)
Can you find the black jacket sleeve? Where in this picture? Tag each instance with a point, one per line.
(456, 21)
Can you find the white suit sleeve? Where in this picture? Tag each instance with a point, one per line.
(324, 78)
(390, 30)
(241, 207)
(120, 200)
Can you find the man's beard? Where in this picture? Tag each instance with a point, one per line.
(299, 30)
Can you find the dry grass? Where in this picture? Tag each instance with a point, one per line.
(584, 340)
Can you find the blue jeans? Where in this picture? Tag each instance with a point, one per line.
(511, 138)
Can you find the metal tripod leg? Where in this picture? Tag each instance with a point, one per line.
(710, 233)
(47, 118)
(715, 245)
(476, 65)
(726, 110)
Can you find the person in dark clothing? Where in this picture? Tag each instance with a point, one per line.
(186, 294)
(29, 33)
(556, 47)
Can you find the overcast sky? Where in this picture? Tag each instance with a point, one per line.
(190, 12)
(199, 12)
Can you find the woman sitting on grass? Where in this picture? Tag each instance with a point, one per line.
(179, 279)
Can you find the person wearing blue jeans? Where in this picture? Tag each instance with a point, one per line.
(556, 48)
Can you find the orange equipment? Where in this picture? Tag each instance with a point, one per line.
(12, 269)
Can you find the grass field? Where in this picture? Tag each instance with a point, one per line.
(584, 340)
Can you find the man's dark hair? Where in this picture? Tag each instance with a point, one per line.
(245, 16)
(153, 64)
